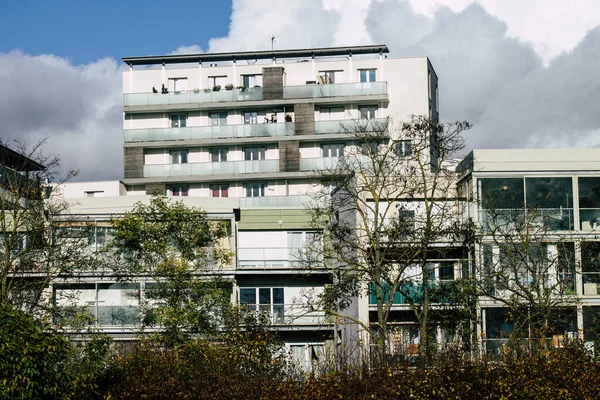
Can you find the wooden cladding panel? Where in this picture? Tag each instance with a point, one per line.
(133, 161)
(289, 156)
(272, 83)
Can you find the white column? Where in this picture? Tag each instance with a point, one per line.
(130, 78)
(313, 70)
(350, 78)
(381, 76)
(234, 78)
(201, 85)
(164, 75)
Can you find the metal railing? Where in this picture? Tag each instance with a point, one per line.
(288, 314)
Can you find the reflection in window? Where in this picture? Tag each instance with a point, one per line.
(551, 201)
(589, 203)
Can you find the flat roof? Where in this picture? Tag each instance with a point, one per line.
(18, 161)
(256, 55)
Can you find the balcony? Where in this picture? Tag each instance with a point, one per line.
(275, 201)
(210, 168)
(269, 257)
(318, 163)
(288, 314)
(189, 97)
(335, 90)
(351, 126)
(210, 132)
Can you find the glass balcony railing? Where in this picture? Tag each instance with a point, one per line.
(191, 96)
(351, 126)
(288, 314)
(335, 90)
(210, 132)
(275, 201)
(590, 219)
(216, 168)
(547, 219)
(274, 257)
(318, 163)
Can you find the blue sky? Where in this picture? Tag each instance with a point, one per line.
(87, 30)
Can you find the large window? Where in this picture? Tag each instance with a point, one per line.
(178, 120)
(179, 156)
(264, 300)
(110, 303)
(333, 150)
(330, 77)
(217, 81)
(331, 113)
(178, 84)
(251, 81)
(254, 153)
(219, 190)
(254, 117)
(255, 189)
(368, 112)
(218, 119)
(367, 75)
(590, 266)
(589, 203)
(219, 154)
(551, 202)
(180, 191)
(403, 148)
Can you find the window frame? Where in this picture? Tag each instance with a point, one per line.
(179, 156)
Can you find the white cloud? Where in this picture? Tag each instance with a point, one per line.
(78, 108)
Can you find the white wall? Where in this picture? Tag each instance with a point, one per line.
(74, 190)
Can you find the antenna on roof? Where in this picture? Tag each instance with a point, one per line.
(272, 42)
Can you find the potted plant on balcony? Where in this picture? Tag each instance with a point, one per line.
(154, 90)
(229, 86)
(164, 90)
(207, 89)
(216, 88)
(288, 118)
(241, 88)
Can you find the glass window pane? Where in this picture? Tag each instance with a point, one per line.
(372, 75)
(247, 296)
(277, 295)
(589, 203)
(549, 192)
(502, 193)
(264, 296)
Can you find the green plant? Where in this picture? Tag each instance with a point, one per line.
(242, 88)
(288, 118)
(216, 88)
(164, 90)
(229, 86)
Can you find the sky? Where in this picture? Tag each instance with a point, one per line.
(523, 72)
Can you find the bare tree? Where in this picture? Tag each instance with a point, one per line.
(37, 245)
(388, 208)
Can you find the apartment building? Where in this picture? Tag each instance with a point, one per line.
(546, 204)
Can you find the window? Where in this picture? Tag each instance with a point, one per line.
(218, 119)
(333, 150)
(255, 189)
(179, 191)
(331, 113)
(254, 117)
(254, 153)
(178, 120)
(97, 193)
(250, 81)
(218, 154)
(265, 300)
(589, 203)
(367, 112)
(369, 147)
(179, 156)
(219, 190)
(178, 84)
(367, 75)
(217, 81)
(330, 77)
(403, 148)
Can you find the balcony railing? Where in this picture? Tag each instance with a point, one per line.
(351, 126)
(318, 163)
(191, 96)
(210, 132)
(270, 257)
(275, 201)
(288, 314)
(547, 219)
(211, 168)
(335, 90)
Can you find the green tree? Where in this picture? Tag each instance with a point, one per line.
(178, 250)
